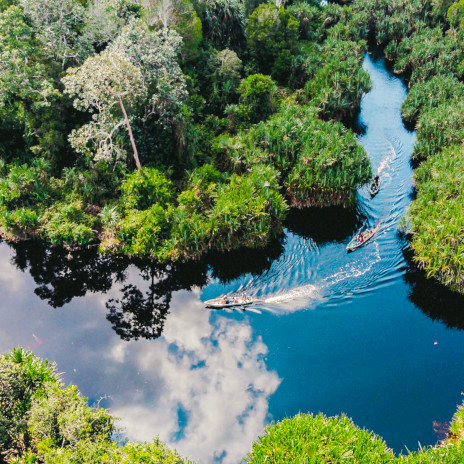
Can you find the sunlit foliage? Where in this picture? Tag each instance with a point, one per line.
(437, 217)
(42, 421)
(430, 94)
(92, 89)
(321, 162)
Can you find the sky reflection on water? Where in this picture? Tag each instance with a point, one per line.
(203, 386)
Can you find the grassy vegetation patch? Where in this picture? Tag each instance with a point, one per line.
(437, 217)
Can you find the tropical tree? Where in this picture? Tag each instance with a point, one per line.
(58, 24)
(272, 35)
(155, 55)
(103, 22)
(181, 17)
(105, 85)
(26, 86)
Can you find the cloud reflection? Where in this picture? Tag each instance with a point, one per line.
(203, 385)
(215, 385)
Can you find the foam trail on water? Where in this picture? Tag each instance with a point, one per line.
(386, 162)
(304, 294)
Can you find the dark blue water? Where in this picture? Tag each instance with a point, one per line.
(363, 333)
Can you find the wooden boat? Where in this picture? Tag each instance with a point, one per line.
(354, 244)
(374, 188)
(229, 302)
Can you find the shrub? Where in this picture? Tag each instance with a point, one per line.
(455, 14)
(68, 224)
(340, 81)
(321, 162)
(142, 189)
(430, 94)
(310, 17)
(41, 421)
(438, 128)
(257, 97)
(25, 185)
(437, 217)
(308, 438)
(392, 20)
(223, 22)
(21, 221)
(248, 210)
(142, 232)
(428, 53)
(21, 376)
(60, 417)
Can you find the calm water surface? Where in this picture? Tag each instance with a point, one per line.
(362, 333)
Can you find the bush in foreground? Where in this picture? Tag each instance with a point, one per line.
(44, 422)
(318, 439)
(306, 438)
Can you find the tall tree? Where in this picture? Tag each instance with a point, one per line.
(107, 85)
(155, 54)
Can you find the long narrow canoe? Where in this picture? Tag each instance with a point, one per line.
(230, 302)
(354, 244)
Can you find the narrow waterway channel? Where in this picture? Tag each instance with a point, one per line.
(362, 334)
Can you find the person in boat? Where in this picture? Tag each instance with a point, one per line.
(376, 184)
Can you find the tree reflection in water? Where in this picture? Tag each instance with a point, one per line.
(323, 225)
(60, 279)
(138, 312)
(137, 315)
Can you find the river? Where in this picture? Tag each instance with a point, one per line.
(362, 334)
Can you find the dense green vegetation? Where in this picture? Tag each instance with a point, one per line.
(325, 440)
(424, 41)
(44, 422)
(437, 216)
(118, 120)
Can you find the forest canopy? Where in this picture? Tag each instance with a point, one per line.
(230, 108)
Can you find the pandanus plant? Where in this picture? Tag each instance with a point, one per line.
(436, 217)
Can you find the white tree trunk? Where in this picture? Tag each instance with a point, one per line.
(131, 136)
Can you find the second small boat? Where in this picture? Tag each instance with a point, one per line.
(362, 238)
(374, 187)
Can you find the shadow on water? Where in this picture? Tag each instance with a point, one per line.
(323, 224)
(436, 301)
(231, 265)
(60, 279)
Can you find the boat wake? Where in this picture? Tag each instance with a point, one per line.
(315, 267)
